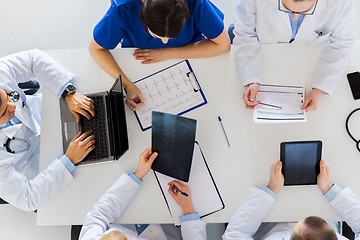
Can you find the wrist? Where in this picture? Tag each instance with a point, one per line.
(139, 174)
(188, 210)
(126, 82)
(326, 189)
(274, 188)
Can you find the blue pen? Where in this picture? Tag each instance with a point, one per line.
(183, 193)
(224, 130)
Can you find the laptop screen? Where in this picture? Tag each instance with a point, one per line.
(119, 129)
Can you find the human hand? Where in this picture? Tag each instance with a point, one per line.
(276, 177)
(311, 100)
(249, 95)
(80, 104)
(152, 55)
(133, 93)
(184, 202)
(80, 146)
(323, 179)
(145, 161)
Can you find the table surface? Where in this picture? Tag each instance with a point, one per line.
(253, 148)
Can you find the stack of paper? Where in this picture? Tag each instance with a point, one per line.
(280, 104)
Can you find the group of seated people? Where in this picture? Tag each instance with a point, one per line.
(161, 30)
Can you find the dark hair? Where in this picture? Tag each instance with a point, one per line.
(316, 229)
(165, 18)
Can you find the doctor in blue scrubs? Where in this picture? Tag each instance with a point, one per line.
(160, 29)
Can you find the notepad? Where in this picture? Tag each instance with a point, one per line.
(172, 90)
(206, 198)
(289, 100)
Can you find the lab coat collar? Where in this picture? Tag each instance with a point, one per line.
(321, 5)
(9, 132)
(24, 114)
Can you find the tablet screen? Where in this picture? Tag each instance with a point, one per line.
(300, 162)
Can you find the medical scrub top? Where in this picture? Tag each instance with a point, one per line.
(122, 24)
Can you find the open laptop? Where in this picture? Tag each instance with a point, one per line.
(108, 125)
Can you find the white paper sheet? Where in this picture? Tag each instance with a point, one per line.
(289, 98)
(205, 197)
(173, 90)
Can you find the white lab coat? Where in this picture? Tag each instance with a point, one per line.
(21, 184)
(260, 22)
(112, 204)
(247, 219)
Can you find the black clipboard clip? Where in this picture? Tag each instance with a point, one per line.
(192, 78)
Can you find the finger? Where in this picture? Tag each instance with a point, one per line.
(141, 50)
(177, 184)
(87, 151)
(149, 61)
(85, 135)
(86, 107)
(76, 136)
(88, 139)
(143, 58)
(323, 167)
(84, 113)
(252, 96)
(131, 104)
(146, 152)
(153, 157)
(142, 54)
(306, 103)
(77, 116)
(172, 193)
(89, 144)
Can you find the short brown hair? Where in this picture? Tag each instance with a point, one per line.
(316, 229)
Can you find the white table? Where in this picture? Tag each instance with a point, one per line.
(253, 147)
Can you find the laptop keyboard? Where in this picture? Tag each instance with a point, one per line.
(98, 125)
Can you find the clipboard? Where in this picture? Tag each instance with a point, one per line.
(174, 90)
(206, 197)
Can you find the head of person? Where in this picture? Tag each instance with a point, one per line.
(7, 107)
(164, 19)
(313, 228)
(299, 6)
(115, 235)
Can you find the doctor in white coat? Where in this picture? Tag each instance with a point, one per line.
(99, 222)
(327, 22)
(247, 219)
(21, 184)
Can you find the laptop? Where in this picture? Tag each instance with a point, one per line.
(108, 125)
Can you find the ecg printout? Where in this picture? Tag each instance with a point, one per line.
(289, 98)
(173, 90)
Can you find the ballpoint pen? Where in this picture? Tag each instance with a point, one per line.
(183, 193)
(269, 105)
(224, 130)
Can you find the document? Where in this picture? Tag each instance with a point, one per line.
(280, 104)
(172, 90)
(205, 196)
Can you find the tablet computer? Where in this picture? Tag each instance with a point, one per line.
(300, 162)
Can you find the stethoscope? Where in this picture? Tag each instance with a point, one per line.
(15, 96)
(348, 131)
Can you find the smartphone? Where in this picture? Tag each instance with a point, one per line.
(354, 81)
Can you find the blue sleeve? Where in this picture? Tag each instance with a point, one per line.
(333, 192)
(67, 163)
(189, 217)
(109, 32)
(135, 178)
(208, 19)
(268, 190)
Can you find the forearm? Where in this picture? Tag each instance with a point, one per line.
(107, 62)
(30, 194)
(201, 49)
(249, 215)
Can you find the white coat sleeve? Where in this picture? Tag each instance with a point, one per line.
(246, 44)
(34, 64)
(334, 55)
(27, 194)
(347, 205)
(193, 230)
(109, 208)
(248, 217)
